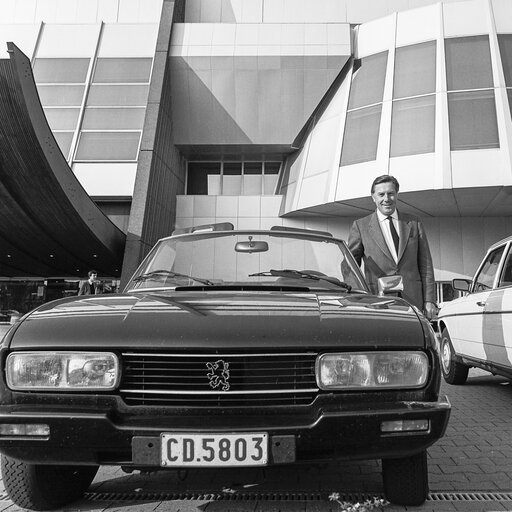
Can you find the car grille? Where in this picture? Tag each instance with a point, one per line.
(219, 380)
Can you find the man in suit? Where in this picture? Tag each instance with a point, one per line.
(90, 287)
(393, 243)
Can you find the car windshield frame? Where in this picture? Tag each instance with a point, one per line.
(149, 273)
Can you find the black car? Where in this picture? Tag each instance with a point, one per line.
(227, 348)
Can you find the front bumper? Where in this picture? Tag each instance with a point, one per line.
(98, 438)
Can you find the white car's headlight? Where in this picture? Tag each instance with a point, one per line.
(62, 371)
(372, 370)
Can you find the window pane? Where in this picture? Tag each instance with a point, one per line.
(64, 141)
(62, 118)
(232, 168)
(108, 146)
(485, 278)
(112, 95)
(60, 70)
(506, 275)
(253, 168)
(412, 126)
(197, 177)
(505, 43)
(57, 95)
(368, 81)
(472, 117)
(114, 70)
(272, 167)
(361, 135)
(468, 63)
(113, 118)
(415, 70)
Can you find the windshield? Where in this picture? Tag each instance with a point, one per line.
(248, 259)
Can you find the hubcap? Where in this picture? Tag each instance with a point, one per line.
(446, 356)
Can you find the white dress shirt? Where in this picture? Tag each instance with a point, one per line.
(386, 231)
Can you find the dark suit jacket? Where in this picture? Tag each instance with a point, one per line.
(367, 243)
(87, 289)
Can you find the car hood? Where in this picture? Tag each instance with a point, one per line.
(220, 320)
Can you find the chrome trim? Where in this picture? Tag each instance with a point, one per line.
(266, 354)
(222, 393)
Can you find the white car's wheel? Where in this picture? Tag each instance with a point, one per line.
(454, 372)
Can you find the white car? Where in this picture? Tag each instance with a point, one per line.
(476, 329)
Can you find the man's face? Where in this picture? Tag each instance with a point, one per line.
(93, 277)
(384, 196)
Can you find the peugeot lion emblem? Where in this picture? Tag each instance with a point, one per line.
(218, 374)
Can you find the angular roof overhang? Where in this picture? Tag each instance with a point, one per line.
(49, 226)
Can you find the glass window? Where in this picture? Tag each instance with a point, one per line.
(113, 118)
(197, 177)
(413, 126)
(61, 95)
(361, 135)
(485, 278)
(117, 70)
(506, 275)
(113, 95)
(62, 118)
(415, 70)
(108, 146)
(253, 168)
(64, 141)
(60, 70)
(468, 63)
(505, 44)
(472, 117)
(367, 85)
(272, 167)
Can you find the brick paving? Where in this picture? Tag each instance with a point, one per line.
(475, 456)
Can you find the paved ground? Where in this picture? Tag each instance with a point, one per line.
(469, 469)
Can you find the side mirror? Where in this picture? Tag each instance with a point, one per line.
(390, 284)
(251, 246)
(463, 285)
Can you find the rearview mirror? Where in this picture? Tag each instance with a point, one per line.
(390, 284)
(462, 285)
(251, 246)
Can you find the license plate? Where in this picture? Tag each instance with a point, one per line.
(214, 449)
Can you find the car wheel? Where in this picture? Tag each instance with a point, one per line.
(406, 479)
(44, 487)
(454, 372)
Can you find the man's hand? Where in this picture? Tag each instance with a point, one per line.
(430, 310)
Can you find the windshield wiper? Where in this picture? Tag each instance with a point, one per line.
(298, 274)
(171, 274)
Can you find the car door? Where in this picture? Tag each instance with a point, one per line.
(497, 318)
(470, 312)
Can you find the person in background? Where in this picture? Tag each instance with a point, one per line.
(91, 286)
(393, 243)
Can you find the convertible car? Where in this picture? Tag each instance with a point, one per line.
(228, 348)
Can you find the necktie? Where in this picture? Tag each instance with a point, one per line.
(394, 234)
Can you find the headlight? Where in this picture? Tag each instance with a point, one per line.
(372, 370)
(62, 371)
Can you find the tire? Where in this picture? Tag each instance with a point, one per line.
(454, 372)
(44, 487)
(406, 479)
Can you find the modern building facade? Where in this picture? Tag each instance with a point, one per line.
(265, 112)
